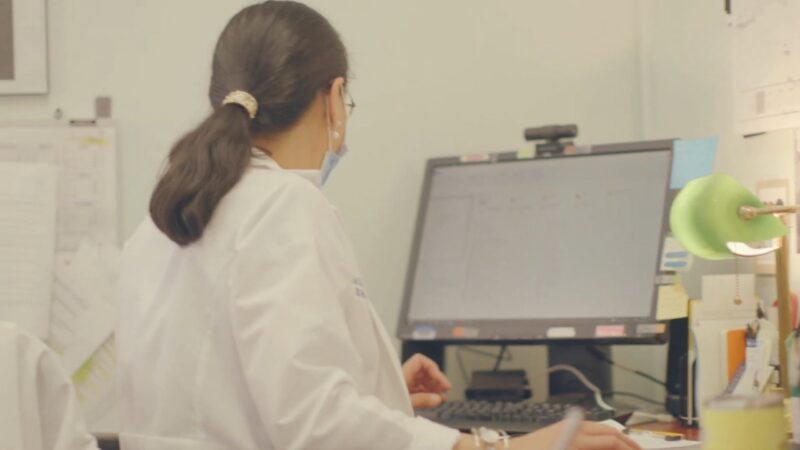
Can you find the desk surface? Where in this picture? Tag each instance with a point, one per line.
(676, 426)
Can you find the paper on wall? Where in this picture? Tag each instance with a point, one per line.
(27, 240)
(95, 383)
(87, 188)
(766, 42)
(83, 312)
(797, 186)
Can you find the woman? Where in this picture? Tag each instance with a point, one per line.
(244, 318)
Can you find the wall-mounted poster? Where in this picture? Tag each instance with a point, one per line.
(23, 47)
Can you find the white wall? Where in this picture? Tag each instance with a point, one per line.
(687, 91)
(431, 78)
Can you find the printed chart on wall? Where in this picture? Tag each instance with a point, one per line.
(60, 239)
(797, 185)
(766, 64)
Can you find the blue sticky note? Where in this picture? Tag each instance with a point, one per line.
(692, 158)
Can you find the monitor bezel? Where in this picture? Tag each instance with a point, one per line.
(435, 330)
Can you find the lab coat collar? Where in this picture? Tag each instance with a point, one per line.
(261, 159)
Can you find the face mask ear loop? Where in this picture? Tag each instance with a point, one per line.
(327, 124)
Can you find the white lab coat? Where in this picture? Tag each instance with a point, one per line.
(261, 334)
(38, 405)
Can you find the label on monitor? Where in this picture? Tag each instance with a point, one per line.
(602, 331)
(561, 332)
(465, 332)
(424, 332)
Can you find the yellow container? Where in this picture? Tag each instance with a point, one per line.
(744, 423)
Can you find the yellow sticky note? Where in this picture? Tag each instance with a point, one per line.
(673, 303)
(526, 153)
(92, 140)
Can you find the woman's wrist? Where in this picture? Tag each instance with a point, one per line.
(484, 439)
(465, 442)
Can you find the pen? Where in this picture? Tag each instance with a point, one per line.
(666, 435)
(572, 422)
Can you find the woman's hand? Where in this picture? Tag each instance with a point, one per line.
(426, 383)
(590, 436)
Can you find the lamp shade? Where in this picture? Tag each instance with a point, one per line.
(705, 217)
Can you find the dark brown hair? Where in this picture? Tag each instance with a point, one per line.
(282, 53)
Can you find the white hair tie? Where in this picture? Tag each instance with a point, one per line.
(243, 99)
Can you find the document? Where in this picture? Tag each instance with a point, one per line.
(87, 189)
(27, 243)
(94, 383)
(83, 313)
(766, 42)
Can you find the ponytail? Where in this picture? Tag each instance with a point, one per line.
(271, 61)
(203, 166)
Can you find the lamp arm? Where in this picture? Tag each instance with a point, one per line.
(785, 324)
(751, 212)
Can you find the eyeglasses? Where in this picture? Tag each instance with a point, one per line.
(348, 102)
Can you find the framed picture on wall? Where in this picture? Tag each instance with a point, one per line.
(23, 47)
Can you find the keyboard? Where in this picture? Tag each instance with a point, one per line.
(513, 417)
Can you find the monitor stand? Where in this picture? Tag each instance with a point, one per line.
(562, 383)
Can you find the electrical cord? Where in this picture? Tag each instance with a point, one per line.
(499, 358)
(461, 366)
(598, 394)
(505, 355)
(594, 351)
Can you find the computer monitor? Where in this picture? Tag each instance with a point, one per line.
(525, 250)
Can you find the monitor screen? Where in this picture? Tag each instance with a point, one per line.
(563, 247)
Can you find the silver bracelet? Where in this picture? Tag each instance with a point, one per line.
(487, 439)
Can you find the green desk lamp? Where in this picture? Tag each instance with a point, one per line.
(715, 217)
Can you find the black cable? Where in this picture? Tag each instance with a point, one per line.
(594, 351)
(499, 358)
(461, 366)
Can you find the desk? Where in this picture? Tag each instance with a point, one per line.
(676, 426)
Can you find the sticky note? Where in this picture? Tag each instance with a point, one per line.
(692, 158)
(561, 332)
(673, 303)
(526, 153)
(674, 258)
(609, 331)
(423, 332)
(650, 328)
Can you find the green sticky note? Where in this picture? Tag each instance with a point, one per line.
(526, 153)
(705, 217)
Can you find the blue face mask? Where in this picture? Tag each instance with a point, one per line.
(331, 160)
